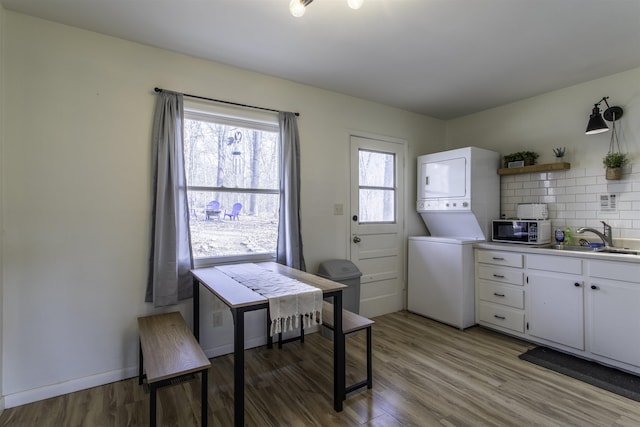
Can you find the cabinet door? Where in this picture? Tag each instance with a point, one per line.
(555, 308)
(614, 320)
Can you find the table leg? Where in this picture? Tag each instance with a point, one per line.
(269, 337)
(238, 367)
(338, 354)
(196, 309)
(204, 378)
(140, 364)
(152, 404)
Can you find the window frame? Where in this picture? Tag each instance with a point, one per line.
(393, 188)
(234, 116)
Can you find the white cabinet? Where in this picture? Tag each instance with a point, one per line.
(555, 308)
(579, 304)
(614, 310)
(499, 290)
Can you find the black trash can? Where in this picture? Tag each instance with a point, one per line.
(345, 272)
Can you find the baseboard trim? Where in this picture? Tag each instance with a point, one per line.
(46, 392)
(54, 390)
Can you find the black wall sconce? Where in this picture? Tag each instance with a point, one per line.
(597, 123)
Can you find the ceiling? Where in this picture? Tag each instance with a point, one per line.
(442, 58)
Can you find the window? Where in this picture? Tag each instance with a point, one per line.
(377, 186)
(234, 163)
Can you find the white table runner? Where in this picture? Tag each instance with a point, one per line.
(288, 298)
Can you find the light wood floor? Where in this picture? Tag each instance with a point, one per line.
(425, 374)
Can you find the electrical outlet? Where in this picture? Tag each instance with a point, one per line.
(338, 209)
(608, 203)
(217, 319)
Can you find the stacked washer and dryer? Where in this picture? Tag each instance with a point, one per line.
(458, 197)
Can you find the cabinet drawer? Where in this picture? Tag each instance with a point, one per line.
(501, 316)
(499, 294)
(498, 274)
(627, 271)
(561, 264)
(509, 259)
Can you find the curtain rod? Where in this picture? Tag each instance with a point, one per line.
(226, 102)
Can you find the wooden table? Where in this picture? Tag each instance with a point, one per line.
(241, 299)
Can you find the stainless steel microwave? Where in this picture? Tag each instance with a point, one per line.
(528, 232)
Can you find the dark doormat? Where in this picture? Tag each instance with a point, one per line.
(610, 379)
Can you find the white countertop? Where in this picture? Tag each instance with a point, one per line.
(531, 249)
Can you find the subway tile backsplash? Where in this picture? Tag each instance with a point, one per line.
(578, 198)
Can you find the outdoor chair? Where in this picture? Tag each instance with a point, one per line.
(235, 211)
(213, 209)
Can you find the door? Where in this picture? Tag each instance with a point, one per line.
(377, 222)
(444, 178)
(613, 320)
(555, 308)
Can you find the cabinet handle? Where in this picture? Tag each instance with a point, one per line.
(498, 258)
(499, 276)
(577, 285)
(594, 287)
(498, 295)
(499, 317)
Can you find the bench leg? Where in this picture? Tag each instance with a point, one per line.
(152, 405)
(205, 404)
(140, 367)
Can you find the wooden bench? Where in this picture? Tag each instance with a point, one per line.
(169, 350)
(352, 322)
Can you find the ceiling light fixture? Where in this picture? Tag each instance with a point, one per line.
(597, 123)
(298, 7)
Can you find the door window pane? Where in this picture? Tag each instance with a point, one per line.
(377, 169)
(376, 186)
(377, 206)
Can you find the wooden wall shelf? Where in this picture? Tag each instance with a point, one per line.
(535, 168)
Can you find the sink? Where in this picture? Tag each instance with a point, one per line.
(572, 248)
(604, 250)
(618, 251)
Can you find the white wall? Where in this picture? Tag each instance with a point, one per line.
(559, 119)
(76, 177)
(556, 119)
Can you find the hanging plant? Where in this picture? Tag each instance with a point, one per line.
(615, 159)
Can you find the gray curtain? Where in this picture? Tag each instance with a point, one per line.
(289, 237)
(171, 258)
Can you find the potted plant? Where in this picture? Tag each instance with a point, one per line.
(526, 157)
(614, 161)
(510, 158)
(559, 153)
(529, 157)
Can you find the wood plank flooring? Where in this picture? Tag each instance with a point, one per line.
(425, 374)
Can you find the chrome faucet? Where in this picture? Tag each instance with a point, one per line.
(606, 237)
